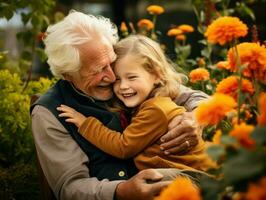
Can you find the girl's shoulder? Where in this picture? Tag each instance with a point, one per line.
(159, 102)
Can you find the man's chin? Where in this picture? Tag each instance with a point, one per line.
(104, 96)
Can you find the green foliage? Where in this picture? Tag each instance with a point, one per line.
(17, 165)
(36, 16)
(16, 143)
(19, 182)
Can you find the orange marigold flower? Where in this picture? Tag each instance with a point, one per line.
(155, 9)
(223, 65)
(201, 62)
(257, 191)
(242, 132)
(225, 29)
(215, 109)
(262, 109)
(145, 23)
(41, 36)
(186, 28)
(251, 54)
(174, 32)
(180, 37)
(229, 86)
(123, 27)
(199, 74)
(181, 188)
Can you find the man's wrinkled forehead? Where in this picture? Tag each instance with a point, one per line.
(98, 52)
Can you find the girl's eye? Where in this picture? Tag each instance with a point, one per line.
(132, 77)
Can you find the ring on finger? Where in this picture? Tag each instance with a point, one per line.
(187, 143)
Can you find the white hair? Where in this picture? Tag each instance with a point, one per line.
(62, 40)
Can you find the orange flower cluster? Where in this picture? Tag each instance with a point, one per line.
(145, 23)
(257, 191)
(174, 32)
(155, 9)
(199, 74)
(225, 29)
(229, 86)
(251, 54)
(223, 65)
(179, 31)
(181, 188)
(262, 109)
(215, 109)
(242, 132)
(180, 37)
(123, 27)
(186, 28)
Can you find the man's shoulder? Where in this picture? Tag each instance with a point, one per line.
(162, 104)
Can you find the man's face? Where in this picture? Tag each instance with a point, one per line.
(96, 76)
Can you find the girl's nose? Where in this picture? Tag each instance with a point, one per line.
(123, 85)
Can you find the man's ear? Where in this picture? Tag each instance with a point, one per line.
(67, 77)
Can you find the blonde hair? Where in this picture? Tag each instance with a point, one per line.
(64, 38)
(155, 62)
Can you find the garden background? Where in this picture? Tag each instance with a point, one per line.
(224, 57)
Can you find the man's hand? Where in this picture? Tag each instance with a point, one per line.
(182, 136)
(143, 186)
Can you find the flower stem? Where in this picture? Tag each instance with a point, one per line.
(239, 72)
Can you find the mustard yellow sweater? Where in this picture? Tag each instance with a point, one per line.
(141, 138)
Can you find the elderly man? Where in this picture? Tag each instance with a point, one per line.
(80, 53)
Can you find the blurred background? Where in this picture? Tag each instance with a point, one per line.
(176, 12)
(24, 72)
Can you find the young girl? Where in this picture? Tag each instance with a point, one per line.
(147, 83)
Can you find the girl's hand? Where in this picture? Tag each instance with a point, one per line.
(71, 114)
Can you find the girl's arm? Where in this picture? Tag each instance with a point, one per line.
(146, 127)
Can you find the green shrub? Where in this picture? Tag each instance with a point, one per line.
(17, 164)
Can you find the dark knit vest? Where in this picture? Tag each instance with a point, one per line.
(101, 165)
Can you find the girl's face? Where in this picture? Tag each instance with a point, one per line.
(133, 83)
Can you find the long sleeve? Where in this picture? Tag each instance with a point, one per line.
(63, 162)
(146, 127)
(190, 98)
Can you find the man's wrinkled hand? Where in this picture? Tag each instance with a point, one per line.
(182, 136)
(145, 185)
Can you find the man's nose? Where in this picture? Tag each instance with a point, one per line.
(109, 75)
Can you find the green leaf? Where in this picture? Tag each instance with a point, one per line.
(41, 54)
(26, 55)
(245, 11)
(228, 140)
(244, 165)
(259, 134)
(210, 188)
(215, 152)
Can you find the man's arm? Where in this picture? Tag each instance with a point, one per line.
(183, 131)
(63, 162)
(190, 98)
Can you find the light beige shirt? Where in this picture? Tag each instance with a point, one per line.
(63, 162)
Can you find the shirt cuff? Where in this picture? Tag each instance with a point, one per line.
(108, 190)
